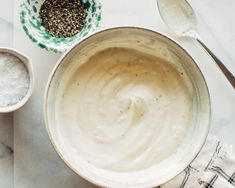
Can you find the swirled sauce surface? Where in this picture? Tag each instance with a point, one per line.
(124, 110)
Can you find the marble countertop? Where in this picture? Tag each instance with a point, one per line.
(36, 164)
(6, 120)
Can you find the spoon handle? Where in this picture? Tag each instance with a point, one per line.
(222, 67)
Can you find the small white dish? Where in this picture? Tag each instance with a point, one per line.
(28, 64)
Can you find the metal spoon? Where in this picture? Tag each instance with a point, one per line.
(180, 17)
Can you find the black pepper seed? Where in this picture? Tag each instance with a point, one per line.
(63, 18)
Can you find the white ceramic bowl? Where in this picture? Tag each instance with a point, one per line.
(28, 64)
(162, 47)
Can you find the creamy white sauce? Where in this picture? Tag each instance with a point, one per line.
(124, 110)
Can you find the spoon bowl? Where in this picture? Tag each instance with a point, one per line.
(179, 16)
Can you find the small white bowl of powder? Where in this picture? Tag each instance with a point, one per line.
(16, 80)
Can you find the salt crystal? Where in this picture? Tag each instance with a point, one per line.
(14, 79)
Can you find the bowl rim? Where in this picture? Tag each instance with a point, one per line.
(29, 66)
(182, 166)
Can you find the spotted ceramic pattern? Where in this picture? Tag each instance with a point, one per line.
(29, 16)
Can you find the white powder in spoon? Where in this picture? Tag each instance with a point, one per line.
(14, 79)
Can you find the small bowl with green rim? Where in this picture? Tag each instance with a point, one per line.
(29, 16)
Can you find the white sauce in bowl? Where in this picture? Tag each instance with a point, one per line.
(124, 110)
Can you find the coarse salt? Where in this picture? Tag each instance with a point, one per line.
(14, 79)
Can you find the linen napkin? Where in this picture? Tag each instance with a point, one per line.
(214, 167)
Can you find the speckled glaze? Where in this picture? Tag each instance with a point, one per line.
(29, 16)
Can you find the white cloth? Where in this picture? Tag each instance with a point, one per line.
(214, 167)
(213, 180)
